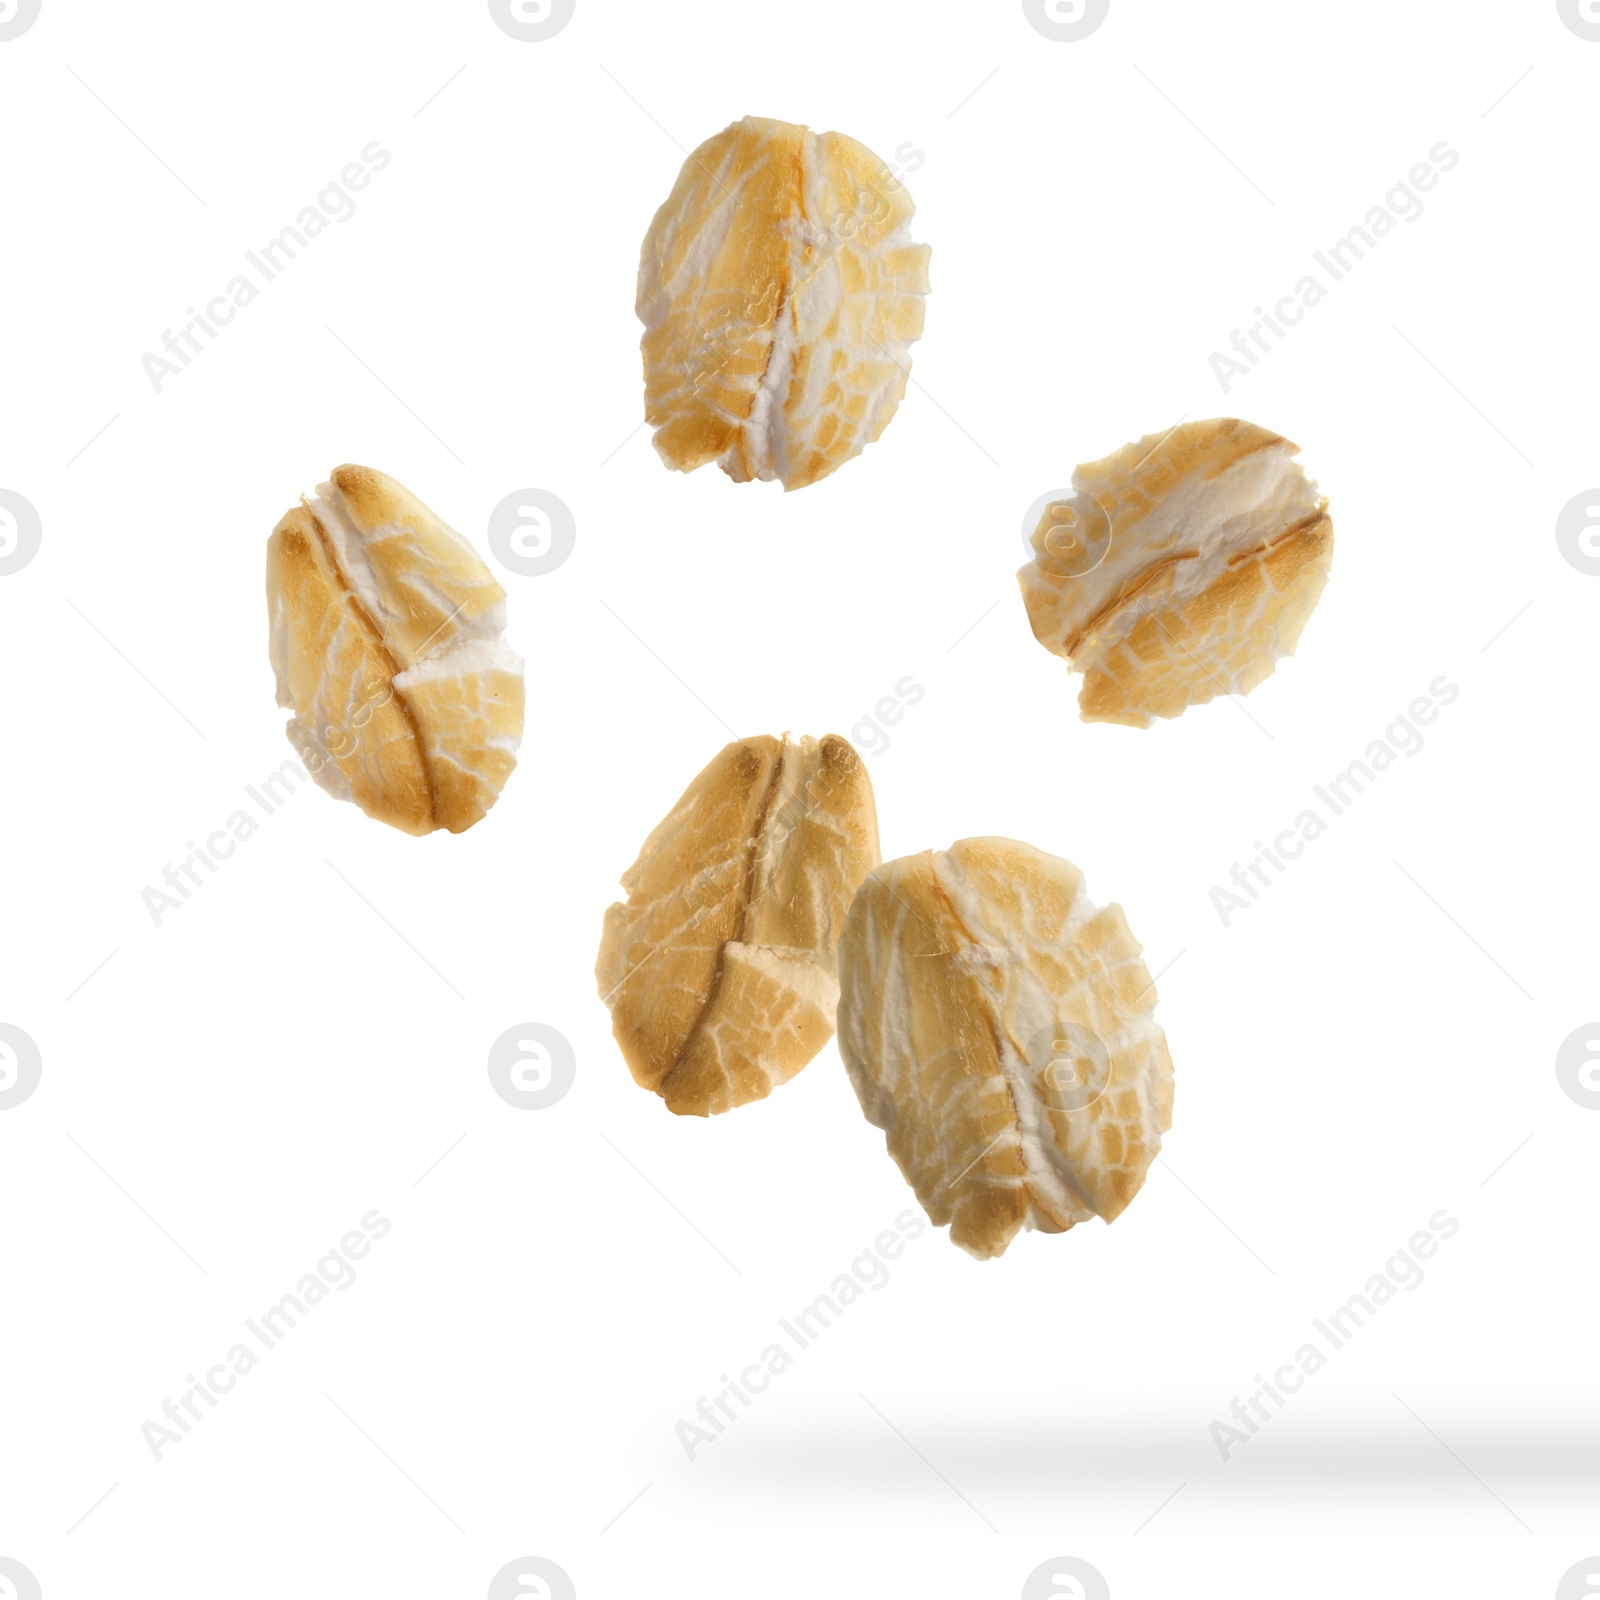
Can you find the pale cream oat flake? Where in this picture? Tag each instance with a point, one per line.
(718, 969)
(385, 641)
(999, 1028)
(780, 291)
(1184, 567)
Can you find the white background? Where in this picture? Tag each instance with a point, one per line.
(229, 1093)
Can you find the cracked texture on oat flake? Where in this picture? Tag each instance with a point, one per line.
(1216, 547)
(780, 292)
(719, 967)
(385, 641)
(969, 979)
